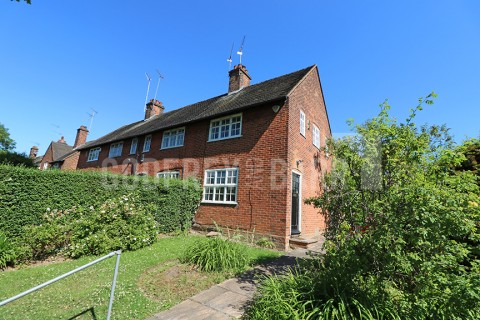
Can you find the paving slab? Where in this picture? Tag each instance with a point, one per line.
(189, 309)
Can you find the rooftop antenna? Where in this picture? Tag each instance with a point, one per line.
(91, 116)
(148, 89)
(160, 77)
(229, 60)
(57, 130)
(240, 51)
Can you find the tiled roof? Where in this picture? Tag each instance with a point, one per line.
(66, 155)
(263, 92)
(59, 150)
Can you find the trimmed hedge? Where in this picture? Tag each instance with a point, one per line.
(25, 195)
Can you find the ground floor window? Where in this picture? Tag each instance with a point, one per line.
(220, 185)
(169, 175)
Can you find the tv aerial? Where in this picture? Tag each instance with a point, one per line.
(91, 115)
(149, 79)
(229, 60)
(240, 51)
(160, 77)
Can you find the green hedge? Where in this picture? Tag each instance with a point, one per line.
(25, 195)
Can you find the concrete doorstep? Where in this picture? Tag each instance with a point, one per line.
(229, 299)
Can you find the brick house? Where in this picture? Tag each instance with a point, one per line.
(256, 150)
(60, 155)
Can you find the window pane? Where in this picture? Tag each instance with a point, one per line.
(221, 177)
(133, 147)
(224, 131)
(220, 194)
(208, 194)
(231, 194)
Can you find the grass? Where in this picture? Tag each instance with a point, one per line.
(150, 280)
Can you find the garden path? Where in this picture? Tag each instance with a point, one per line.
(228, 299)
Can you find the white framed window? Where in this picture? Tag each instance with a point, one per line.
(45, 165)
(169, 175)
(115, 150)
(173, 138)
(302, 123)
(93, 154)
(133, 146)
(220, 186)
(226, 128)
(316, 136)
(147, 143)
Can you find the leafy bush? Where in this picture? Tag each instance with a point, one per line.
(265, 242)
(15, 159)
(403, 227)
(121, 223)
(7, 252)
(25, 195)
(217, 254)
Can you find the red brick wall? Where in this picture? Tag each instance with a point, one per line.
(48, 157)
(71, 162)
(261, 202)
(266, 155)
(308, 97)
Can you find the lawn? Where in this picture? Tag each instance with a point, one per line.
(150, 280)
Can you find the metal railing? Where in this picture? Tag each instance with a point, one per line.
(112, 290)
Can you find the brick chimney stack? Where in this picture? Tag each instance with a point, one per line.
(33, 152)
(239, 78)
(81, 137)
(154, 108)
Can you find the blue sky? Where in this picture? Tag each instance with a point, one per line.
(60, 59)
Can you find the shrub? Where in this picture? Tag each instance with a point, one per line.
(15, 159)
(121, 223)
(217, 254)
(265, 242)
(26, 194)
(7, 252)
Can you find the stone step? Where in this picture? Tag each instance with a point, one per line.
(302, 243)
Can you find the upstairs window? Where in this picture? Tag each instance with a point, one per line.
(316, 136)
(169, 175)
(147, 143)
(226, 128)
(93, 154)
(115, 150)
(133, 146)
(302, 123)
(220, 186)
(173, 138)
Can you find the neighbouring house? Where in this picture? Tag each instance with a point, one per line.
(256, 149)
(60, 155)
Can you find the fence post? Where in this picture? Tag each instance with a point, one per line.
(114, 282)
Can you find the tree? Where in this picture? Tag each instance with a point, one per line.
(27, 1)
(471, 150)
(403, 227)
(6, 143)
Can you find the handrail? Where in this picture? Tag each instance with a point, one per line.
(112, 291)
